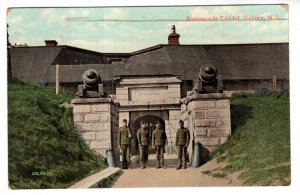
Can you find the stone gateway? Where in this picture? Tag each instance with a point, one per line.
(145, 101)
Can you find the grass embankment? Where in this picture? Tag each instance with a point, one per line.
(260, 141)
(44, 150)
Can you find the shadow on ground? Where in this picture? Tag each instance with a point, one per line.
(168, 163)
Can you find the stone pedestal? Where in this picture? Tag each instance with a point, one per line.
(208, 118)
(97, 121)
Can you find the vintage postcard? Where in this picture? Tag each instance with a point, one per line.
(149, 96)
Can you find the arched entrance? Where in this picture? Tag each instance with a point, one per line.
(150, 121)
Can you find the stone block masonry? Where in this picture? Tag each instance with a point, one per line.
(97, 121)
(171, 127)
(208, 118)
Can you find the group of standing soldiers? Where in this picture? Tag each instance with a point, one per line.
(159, 141)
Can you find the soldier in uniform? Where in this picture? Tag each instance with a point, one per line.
(159, 140)
(182, 142)
(124, 144)
(143, 138)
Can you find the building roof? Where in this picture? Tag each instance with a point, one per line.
(236, 61)
(75, 56)
(34, 63)
(252, 61)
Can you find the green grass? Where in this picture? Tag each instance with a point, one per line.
(219, 174)
(260, 142)
(44, 150)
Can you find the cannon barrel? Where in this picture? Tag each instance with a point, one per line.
(208, 81)
(92, 86)
(91, 78)
(208, 73)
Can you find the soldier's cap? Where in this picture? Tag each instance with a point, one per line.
(181, 122)
(142, 122)
(124, 120)
(157, 122)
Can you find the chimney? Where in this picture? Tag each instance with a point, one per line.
(51, 43)
(173, 38)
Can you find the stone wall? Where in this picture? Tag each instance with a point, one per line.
(208, 118)
(132, 90)
(97, 121)
(171, 127)
(122, 116)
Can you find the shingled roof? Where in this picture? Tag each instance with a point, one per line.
(252, 61)
(34, 63)
(31, 64)
(238, 61)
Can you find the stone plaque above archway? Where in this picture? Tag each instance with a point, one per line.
(148, 90)
(150, 93)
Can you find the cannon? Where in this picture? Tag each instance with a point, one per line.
(92, 86)
(209, 81)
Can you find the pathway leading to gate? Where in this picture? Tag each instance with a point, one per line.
(170, 177)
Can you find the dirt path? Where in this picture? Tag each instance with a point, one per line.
(170, 177)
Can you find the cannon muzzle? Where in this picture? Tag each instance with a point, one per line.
(91, 78)
(92, 86)
(209, 81)
(208, 73)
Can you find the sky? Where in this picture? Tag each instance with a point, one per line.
(128, 29)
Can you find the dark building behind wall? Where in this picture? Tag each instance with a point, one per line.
(244, 67)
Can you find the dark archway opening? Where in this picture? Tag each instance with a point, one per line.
(150, 123)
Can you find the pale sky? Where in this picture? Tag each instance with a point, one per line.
(127, 29)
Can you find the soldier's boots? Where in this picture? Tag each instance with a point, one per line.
(178, 166)
(159, 163)
(124, 165)
(143, 165)
(184, 164)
